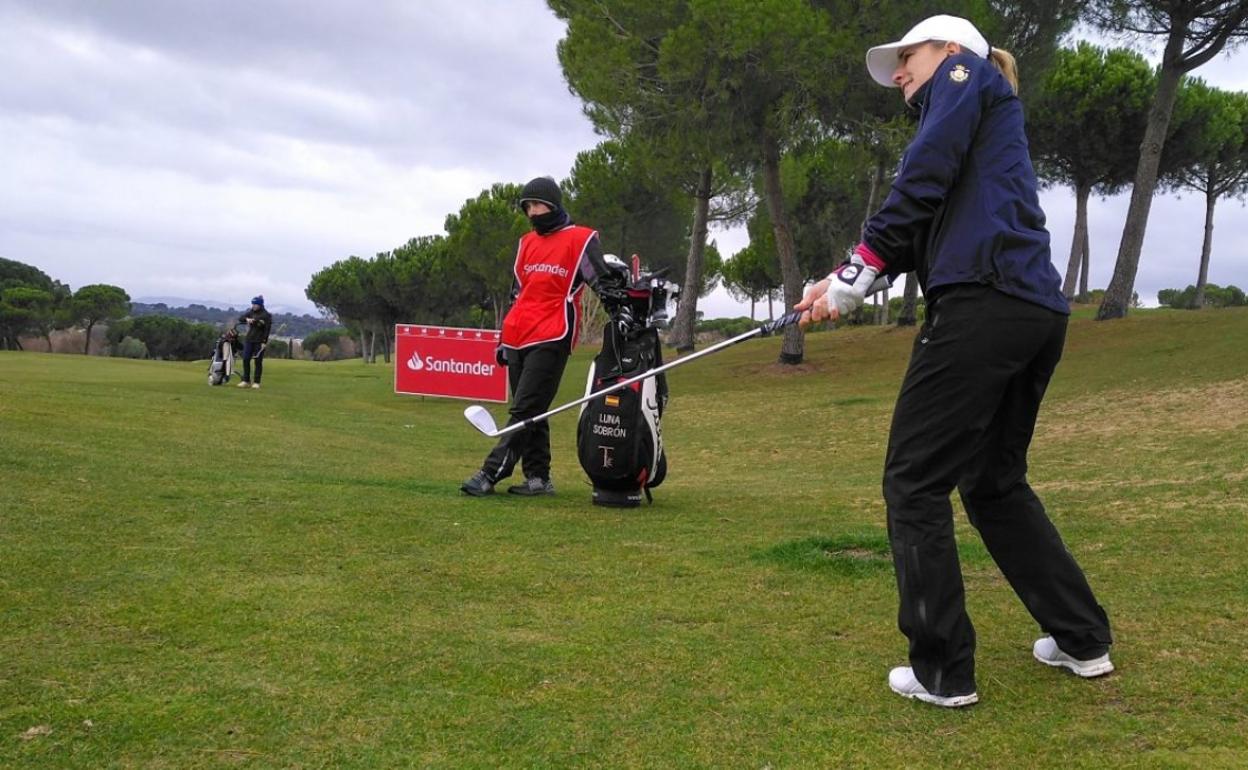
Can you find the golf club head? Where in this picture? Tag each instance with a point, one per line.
(481, 419)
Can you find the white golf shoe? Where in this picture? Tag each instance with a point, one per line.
(1048, 653)
(244, 384)
(902, 681)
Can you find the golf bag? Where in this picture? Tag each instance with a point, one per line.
(619, 436)
(221, 368)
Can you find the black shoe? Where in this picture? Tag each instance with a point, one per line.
(533, 486)
(478, 486)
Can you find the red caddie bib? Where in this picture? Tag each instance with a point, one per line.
(545, 270)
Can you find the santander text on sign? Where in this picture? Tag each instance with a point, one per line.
(447, 361)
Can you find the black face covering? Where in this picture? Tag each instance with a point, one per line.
(550, 221)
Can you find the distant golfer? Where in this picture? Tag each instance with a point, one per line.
(553, 265)
(259, 324)
(963, 214)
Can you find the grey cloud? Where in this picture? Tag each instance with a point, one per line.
(152, 143)
(405, 79)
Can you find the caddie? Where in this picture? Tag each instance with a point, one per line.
(554, 263)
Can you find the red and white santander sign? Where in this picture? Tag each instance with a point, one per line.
(445, 361)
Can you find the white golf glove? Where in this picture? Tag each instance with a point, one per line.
(849, 285)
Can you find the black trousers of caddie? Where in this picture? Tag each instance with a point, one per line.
(534, 374)
(964, 419)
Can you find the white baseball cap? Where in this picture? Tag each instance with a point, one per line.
(882, 59)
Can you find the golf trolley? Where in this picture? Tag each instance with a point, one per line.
(221, 367)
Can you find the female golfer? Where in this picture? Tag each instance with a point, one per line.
(963, 214)
(553, 265)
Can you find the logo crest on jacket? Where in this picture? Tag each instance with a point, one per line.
(959, 73)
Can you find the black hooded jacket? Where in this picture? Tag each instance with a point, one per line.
(260, 326)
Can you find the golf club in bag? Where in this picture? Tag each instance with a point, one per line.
(619, 436)
(221, 368)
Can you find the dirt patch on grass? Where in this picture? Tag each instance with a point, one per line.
(788, 370)
(855, 553)
(773, 368)
(1219, 407)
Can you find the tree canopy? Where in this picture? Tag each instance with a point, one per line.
(1208, 154)
(1193, 32)
(1084, 125)
(483, 238)
(98, 302)
(614, 191)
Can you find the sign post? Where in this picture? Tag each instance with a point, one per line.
(447, 361)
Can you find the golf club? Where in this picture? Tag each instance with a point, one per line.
(483, 421)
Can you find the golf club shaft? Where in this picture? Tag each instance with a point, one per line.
(765, 329)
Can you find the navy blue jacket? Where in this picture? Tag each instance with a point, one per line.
(963, 207)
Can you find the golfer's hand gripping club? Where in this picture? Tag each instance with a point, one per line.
(841, 293)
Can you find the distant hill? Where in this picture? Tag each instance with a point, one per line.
(285, 324)
(240, 305)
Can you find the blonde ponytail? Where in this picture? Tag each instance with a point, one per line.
(1004, 61)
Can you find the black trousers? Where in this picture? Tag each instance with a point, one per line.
(249, 355)
(534, 374)
(965, 418)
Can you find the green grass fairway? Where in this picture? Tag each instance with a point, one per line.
(210, 577)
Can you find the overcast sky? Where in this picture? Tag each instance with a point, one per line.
(215, 150)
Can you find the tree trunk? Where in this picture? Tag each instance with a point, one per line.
(1122, 285)
(86, 349)
(877, 181)
(753, 302)
(771, 310)
(1206, 249)
(1087, 262)
(791, 352)
(909, 303)
(1082, 191)
(385, 344)
(873, 194)
(686, 321)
